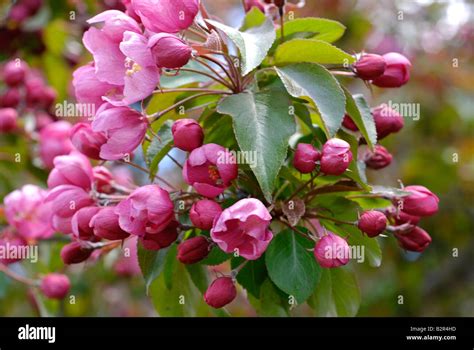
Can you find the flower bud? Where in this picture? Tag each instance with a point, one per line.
(187, 134)
(54, 141)
(102, 179)
(11, 98)
(193, 250)
(348, 123)
(203, 213)
(372, 223)
(14, 73)
(106, 225)
(417, 240)
(332, 251)
(397, 71)
(249, 4)
(336, 157)
(8, 241)
(221, 292)
(404, 218)
(75, 253)
(162, 239)
(80, 223)
(72, 169)
(421, 201)
(8, 118)
(305, 159)
(370, 66)
(387, 121)
(169, 51)
(42, 119)
(87, 141)
(378, 159)
(55, 286)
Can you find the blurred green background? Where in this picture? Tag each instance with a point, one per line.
(436, 151)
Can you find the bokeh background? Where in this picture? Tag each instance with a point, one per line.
(437, 151)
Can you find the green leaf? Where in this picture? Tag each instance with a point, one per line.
(253, 18)
(262, 126)
(291, 266)
(151, 263)
(55, 36)
(307, 80)
(357, 167)
(169, 263)
(183, 299)
(313, 51)
(252, 44)
(252, 275)
(270, 302)
(337, 294)
(313, 28)
(199, 276)
(359, 110)
(215, 257)
(159, 147)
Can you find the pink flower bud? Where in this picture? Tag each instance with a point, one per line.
(147, 210)
(11, 98)
(387, 121)
(105, 224)
(336, 157)
(187, 134)
(193, 250)
(125, 129)
(305, 159)
(421, 201)
(103, 179)
(348, 123)
(169, 51)
(14, 72)
(18, 14)
(166, 16)
(221, 292)
(248, 219)
(8, 118)
(65, 201)
(203, 213)
(372, 223)
(86, 141)
(27, 212)
(249, 4)
(80, 223)
(42, 120)
(378, 159)
(210, 169)
(332, 251)
(417, 240)
(397, 71)
(75, 253)
(162, 239)
(72, 169)
(370, 66)
(9, 241)
(55, 286)
(54, 141)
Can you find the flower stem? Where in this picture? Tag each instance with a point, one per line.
(17, 277)
(136, 166)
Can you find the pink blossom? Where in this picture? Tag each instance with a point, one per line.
(305, 158)
(28, 213)
(336, 157)
(124, 129)
(397, 71)
(147, 210)
(169, 51)
(187, 134)
(421, 201)
(65, 201)
(54, 141)
(243, 226)
(55, 285)
(8, 120)
(72, 169)
(332, 251)
(166, 16)
(86, 141)
(210, 169)
(106, 225)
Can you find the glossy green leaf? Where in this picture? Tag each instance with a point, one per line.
(253, 44)
(252, 275)
(312, 51)
(151, 263)
(291, 266)
(313, 28)
(337, 294)
(263, 126)
(359, 110)
(307, 80)
(159, 147)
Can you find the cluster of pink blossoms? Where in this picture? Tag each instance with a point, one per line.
(98, 209)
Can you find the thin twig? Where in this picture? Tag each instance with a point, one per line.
(17, 277)
(136, 166)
